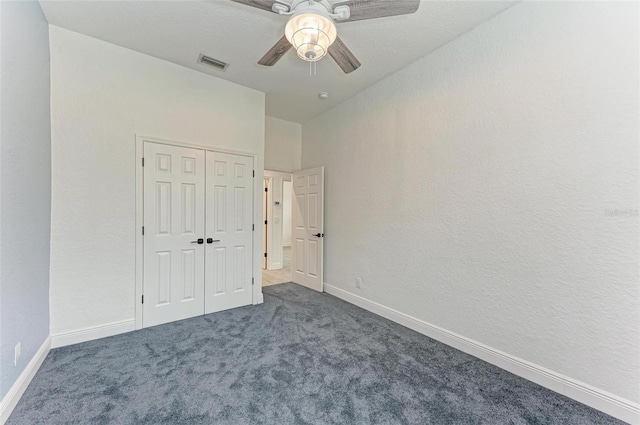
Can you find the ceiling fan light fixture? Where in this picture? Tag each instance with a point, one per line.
(311, 33)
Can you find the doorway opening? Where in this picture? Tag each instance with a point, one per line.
(278, 228)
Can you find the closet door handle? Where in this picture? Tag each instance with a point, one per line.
(211, 240)
(199, 241)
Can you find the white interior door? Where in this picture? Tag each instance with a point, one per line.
(308, 228)
(229, 255)
(174, 213)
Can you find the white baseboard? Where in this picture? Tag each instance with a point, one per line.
(606, 402)
(89, 334)
(10, 400)
(275, 266)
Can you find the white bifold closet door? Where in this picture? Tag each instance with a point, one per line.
(228, 270)
(198, 219)
(174, 211)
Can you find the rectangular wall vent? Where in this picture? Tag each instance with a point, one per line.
(217, 64)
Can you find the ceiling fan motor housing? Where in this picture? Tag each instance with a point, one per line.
(311, 31)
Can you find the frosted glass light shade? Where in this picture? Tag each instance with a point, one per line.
(311, 34)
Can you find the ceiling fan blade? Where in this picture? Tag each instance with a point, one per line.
(260, 4)
(276, 52)
(370, 9)
(343, 56)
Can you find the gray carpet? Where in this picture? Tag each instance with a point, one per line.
(299, 358)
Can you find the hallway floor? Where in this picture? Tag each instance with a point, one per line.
(283, 275)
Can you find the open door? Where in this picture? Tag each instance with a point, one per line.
(308, 228)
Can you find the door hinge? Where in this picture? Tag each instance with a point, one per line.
(253, 282)
(143, 299)
(254, 173)
(265, 222)
(143, 162)
(266, 189)
(142, 230)
(253, 227)
(265, 255)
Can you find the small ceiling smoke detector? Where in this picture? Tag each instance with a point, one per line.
(215, 63)
(324, 95)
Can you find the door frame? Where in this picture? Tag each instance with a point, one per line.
(267, 227)
(275, 193)
(257, 296)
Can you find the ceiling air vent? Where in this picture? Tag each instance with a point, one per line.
(217, 64)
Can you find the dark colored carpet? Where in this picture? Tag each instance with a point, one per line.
(299, 358)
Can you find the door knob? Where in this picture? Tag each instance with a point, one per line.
(211, 240)
(319, 235)
(199, 241)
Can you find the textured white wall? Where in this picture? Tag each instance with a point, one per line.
(283, 145)
(25, 190)
(491, 188)
(102, 96)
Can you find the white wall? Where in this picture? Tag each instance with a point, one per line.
(491, 189)
(102, 96)
(25, 189)
(283, 145)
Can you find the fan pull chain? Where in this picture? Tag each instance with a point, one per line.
(313, 69)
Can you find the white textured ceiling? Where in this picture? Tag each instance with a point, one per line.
(178, 31)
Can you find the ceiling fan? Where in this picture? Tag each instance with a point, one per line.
(311, 28)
